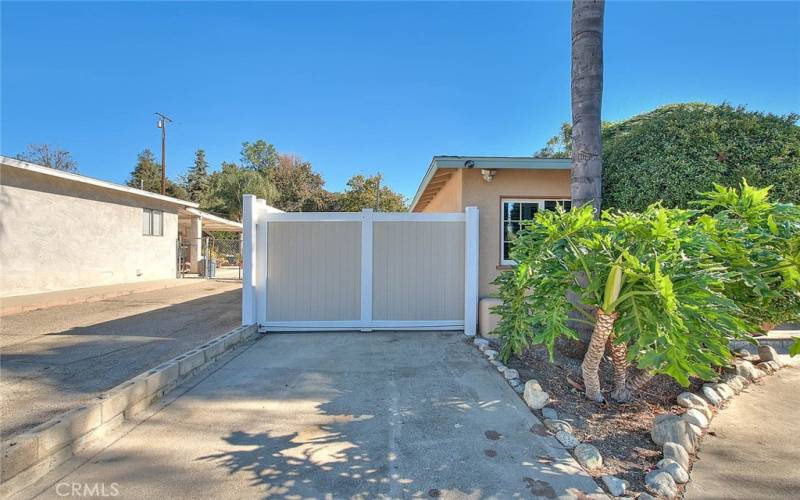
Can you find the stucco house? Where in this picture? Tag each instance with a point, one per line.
(60, 231)
(506, 190)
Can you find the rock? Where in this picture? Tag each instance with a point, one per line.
(724, 390)
(588, 456)
(501, 367)
(616, 486)
(534, 396)
(746, 370)
(678, 453)
(490, 353)
(480, 343)
(645, 496)
(674, 469)
(776, 365)
(554, 425)
(519, 389)
(689, 400)
(765, 367)
(673, 429)
(568, 440)
(514, 382)
(767, 353)
(734, 382)
(743, 380)
(711, 395)
(496, 363)
(549, 413)
(661, 483)
(695, 417)
(742, 353)
(511, 374)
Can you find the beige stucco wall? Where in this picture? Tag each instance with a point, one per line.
(473, 191)
(448, 199)
(59, 234)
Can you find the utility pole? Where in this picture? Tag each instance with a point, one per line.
(162, 124)
(378, 194)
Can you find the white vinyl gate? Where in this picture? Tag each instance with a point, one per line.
(359, 270)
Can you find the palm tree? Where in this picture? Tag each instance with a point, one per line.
(587, 94)
(587, 158)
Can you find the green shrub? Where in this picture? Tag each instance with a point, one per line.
(669, 287)
(674, 152)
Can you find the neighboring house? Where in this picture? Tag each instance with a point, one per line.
(61, 231)
(506, 190)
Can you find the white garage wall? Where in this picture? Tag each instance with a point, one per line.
(58, 234)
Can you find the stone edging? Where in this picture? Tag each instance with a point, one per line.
(679, 435)
(32, 454)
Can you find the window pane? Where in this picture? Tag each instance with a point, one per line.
(146, 222)
(550, 205)
(512, 228)
(158, 223)
(529, 210)
(567, 206)
(512, 210)
(506, 248)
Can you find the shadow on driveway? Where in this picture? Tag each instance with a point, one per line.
(48, 369)
(343, 415)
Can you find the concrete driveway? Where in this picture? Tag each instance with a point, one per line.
(341, 415)
(51, 360)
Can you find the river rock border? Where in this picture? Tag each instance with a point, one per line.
(680, 435)
(32, 454)
(587, 455)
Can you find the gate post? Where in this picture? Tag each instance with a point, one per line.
(366, 268)
(248, 259)
(471, 271)
(261, 262)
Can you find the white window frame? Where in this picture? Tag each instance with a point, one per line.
(149, 213)
(503, 200)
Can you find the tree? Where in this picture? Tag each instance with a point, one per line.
(656, 290)
(558, 146)
(362, 192)
(587, 160)
(675, 151)
(229, 185)
(49, 156)
(587, 96)
(146, 173)
(197, 178)
(260, 156)
(301, 188)
(670, 287)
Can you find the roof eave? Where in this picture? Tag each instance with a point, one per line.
(32, 167)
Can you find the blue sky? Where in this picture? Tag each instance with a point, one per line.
(364, 87)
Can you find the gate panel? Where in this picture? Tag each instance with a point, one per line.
(314, 271)
(418, 271)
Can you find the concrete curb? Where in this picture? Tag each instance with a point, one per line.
(92, 294)
(28, 456)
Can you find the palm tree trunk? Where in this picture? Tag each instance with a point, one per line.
(619, 360)
(640, 379)
(603, 329)
(587, 94)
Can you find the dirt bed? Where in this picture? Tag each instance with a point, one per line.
(620, 431)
